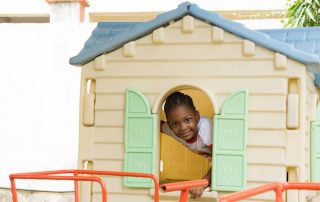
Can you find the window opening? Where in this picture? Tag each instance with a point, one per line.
(187, 165)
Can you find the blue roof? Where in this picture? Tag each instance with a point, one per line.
(301, 44)
(306, 39)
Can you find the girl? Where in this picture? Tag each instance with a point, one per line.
(185, 125)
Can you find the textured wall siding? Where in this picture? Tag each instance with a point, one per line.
(310, 92)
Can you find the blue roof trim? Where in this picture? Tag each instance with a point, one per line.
(93, 49)
(255, 36)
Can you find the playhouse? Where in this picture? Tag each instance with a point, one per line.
(260, 88)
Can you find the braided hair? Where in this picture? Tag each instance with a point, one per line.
(177, 99)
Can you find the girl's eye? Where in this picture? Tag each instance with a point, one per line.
(173, 124)
(188, 120)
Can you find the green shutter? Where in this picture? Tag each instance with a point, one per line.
(140, 130)
(229, 145)
(315, 148)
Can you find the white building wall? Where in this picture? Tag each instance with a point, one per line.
(39, 102)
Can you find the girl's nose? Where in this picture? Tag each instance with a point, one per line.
(183, 126)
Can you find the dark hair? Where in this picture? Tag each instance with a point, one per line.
(177, 99)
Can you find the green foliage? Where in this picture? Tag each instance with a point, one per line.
(303, 13)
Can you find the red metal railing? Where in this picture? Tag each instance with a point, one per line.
(184, 187)
(88, 175)
(278, 188)
(79, 175)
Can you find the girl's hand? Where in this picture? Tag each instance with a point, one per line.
(196, 192)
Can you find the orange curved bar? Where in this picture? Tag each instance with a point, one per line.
(44, 177)
(75, 175)
(184, 187)
(278, 188)
(248, 193)
(178, 186)
(302, 185)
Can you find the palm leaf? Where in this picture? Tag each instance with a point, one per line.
(310, 14)
(302, 13)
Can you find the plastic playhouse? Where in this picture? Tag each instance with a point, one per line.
(259, 87)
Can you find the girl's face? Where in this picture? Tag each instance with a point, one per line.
(183, 122)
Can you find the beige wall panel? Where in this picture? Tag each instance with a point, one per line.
(261, 102)
(201, 25)
(267, 103)
(190, 52)
(266, 173)
(115, 185)
(189, 68)
(108, 135)
(208, 196)
(117, 101)
(267, 155)
(87, 68)
(310, 85)
(85, 144)
(164, 197)
(312, 99)
(217, 85)
(110, 101)
(145, 40)
(109, 118)
(267, 138)
(108, 151)
(151, 97)
(293, 64)
(199, 35)
(118, 197)
(259, 68)
(110, 165)
(231, 38)
(268, 196)
(267, 120)
(310, 116)
(310, 111)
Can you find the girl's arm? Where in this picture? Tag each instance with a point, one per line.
(208, 177)
(197, 192)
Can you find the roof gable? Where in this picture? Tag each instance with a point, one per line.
(107, 37)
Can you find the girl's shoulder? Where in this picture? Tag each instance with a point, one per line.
(205, 130)
(205, 120)
(204, 125)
